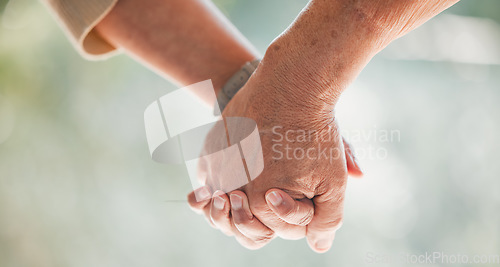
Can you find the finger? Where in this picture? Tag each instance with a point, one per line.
(219, 213)
(202, 206)
(199, 199)
(328, 216)
(247, 224)
(246, 241)
(297, 212)
(353, 166)
(202, 172)
(263, 212)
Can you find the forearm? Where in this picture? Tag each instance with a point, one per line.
(332, 40)
(186, 40)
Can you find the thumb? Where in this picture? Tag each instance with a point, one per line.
(352, 164)
(328, 216)
(296, 212)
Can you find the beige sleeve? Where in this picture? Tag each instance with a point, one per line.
(78, 19)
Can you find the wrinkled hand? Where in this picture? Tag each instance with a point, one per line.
(291, 97)
(232, 215)
(298, 193)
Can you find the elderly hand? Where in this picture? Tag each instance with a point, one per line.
(292, 98)
(305, 162)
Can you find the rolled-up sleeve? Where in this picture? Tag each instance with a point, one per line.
(78, 19)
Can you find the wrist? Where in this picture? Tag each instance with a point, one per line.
(272, 103)
(323, 51)
(234, 84)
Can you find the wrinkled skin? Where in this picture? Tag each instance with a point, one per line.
(303, 181)
(304, 72)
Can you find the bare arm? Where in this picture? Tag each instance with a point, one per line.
(332, 40)
(295, 88)
(187, 41)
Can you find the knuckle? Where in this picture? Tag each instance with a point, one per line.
(241, 222)
(248, 226)
(242, 219)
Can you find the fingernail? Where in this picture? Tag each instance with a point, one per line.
(236, 201)
(203, 194)
(219, 203)
(275, 198)
(323, 244)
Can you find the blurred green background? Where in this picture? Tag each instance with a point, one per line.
(78, 188)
